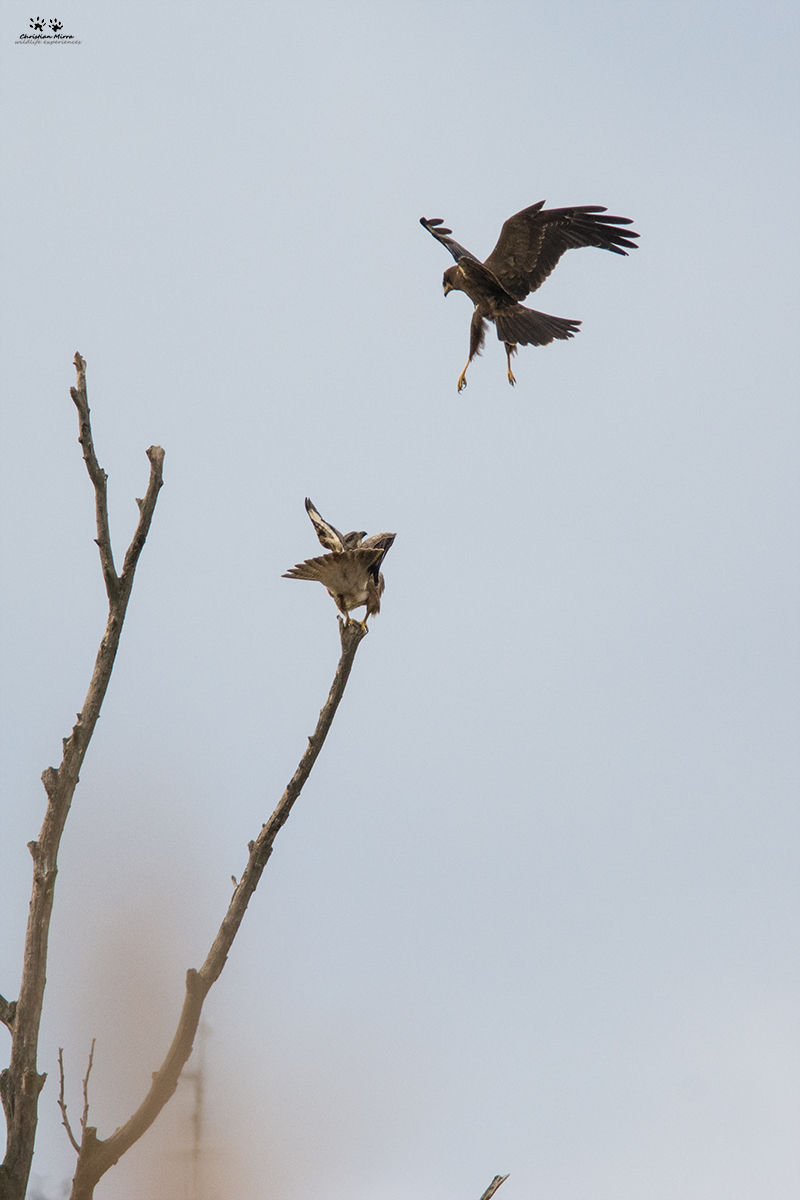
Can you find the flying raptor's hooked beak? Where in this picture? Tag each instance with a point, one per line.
(447, 286)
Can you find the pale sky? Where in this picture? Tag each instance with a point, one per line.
(537, 909)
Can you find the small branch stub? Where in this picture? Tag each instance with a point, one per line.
(8, 1011)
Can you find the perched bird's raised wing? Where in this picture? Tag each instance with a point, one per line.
(328, 534)
(532, 241)
(436, 226)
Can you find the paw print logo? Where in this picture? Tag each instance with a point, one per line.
(56, 26)
(37, 23)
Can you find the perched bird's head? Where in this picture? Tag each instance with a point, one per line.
(450, 280)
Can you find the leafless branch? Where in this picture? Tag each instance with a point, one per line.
(85, 1113)
(493, 1186)
(62, 1103)
(21, 1083)
(97, 476)
(96, 1155)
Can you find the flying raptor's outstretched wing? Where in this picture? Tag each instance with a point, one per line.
(532, 241)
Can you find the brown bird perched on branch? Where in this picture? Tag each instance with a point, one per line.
(351, 572)
(529, 247)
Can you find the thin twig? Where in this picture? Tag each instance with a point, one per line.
(97, 476)
(85, 1113)
(62, 1104)
(96, 1155)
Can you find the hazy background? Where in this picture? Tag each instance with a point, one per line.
(537, 910)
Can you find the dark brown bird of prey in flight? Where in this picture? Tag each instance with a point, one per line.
(529, 246)
(351, 571)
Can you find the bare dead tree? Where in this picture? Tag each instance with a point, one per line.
(20, 1082)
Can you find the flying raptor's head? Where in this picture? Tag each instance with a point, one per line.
(450, 280)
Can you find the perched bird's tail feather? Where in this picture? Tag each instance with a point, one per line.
(522, 326)
(340, 570)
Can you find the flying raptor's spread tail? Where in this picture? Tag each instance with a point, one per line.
(517, 325)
